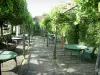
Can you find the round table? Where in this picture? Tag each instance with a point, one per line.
(74, 47)
(7, 55)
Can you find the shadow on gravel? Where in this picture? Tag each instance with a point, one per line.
(20, 70)
(35, 69)
(19, 51)
(15, 69)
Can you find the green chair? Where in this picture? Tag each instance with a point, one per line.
(88, 53)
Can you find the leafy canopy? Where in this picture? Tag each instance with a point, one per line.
(15, 11)
(89, 7)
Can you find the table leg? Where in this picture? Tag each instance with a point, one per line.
(16, 63)
(80, 55)
(0, 69)
(71, 52)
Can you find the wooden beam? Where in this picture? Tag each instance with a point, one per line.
(70, 9)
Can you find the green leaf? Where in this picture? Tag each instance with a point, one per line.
(10, 4)
(99, 6)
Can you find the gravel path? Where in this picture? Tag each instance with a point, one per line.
(41, 62)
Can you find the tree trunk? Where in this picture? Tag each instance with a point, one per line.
(55, 43)
(29, 34)
(24, 40)
(47, 40)
(76, 34)
(11, 29)
(47, 36)
(97, 68)
(63, 42)
(1, 30)
(32, 30)
(1, 24)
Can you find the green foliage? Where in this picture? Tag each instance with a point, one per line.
(88, 16)
(15, 11)
(88, 7)
(46, 23)
(20, 14)
(58, 20)
(5, 6)
(91, 34)
(70, 34)
(65, 24)
(80, 25)
(36, 26)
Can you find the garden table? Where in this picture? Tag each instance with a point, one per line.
(17, 39)
(7, 55)
(74, 47)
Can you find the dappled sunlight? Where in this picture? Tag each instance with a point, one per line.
(34, 55)
(36, 45)
(41, 73)
(62, 64)
(46, 60)
(30, 48)
(35, 61)
(36, 51)
(69, 70)
(39, 45)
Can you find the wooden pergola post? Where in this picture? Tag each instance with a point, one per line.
(24, 40)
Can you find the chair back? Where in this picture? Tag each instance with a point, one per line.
(92, 54)
(94, 48)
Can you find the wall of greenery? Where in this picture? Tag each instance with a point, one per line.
(90, 33)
